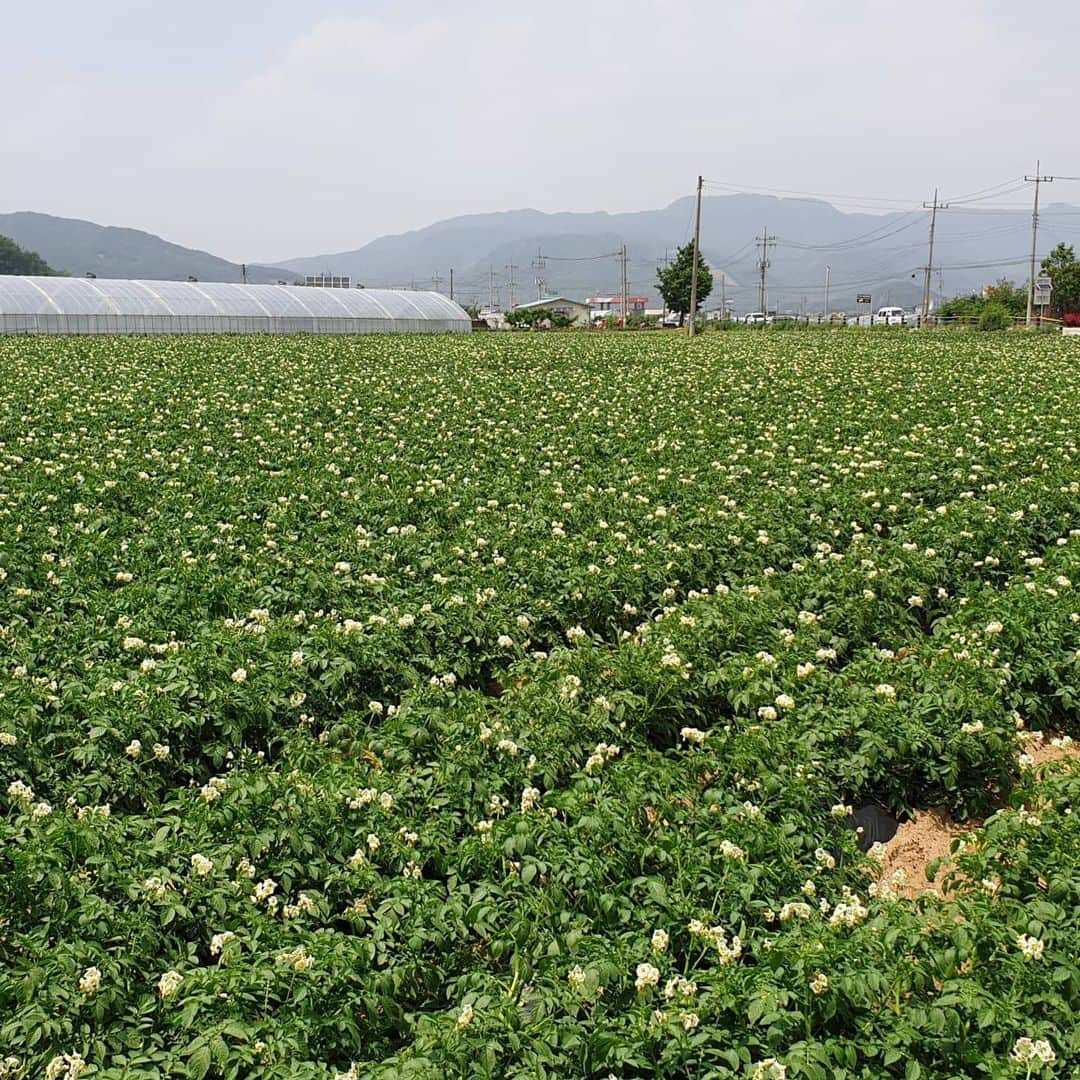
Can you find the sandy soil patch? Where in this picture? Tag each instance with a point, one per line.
(930, 834)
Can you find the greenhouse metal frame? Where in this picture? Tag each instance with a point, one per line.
(63, 305)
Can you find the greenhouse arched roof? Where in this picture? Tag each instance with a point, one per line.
(108, 305)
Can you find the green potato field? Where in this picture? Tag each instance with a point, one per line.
(494, 706)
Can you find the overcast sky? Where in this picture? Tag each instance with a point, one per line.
(278, 128)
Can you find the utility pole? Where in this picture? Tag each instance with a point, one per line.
(511, 267)
(1037, 179)
(723, 297)
(492, 299)
(451, 283)
(539, 263)
(933, 207)
(765, 241)
(828, 274)
(693, 273)
(436, 280)
(663, 302)
(625, 301)
(243, 272)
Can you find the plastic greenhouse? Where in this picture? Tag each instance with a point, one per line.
(61, 305)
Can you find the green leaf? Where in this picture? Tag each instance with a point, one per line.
(199, 1063)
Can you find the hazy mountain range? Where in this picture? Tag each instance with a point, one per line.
(575, 254)
(865, 253)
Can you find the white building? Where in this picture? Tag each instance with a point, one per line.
(574, 310)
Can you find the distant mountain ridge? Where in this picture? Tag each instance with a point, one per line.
(573, 254)
(78, 247)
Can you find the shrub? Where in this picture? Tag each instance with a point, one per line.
(995, 317)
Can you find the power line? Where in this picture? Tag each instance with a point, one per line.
(580, 258)
(858, 241)
(983, 198)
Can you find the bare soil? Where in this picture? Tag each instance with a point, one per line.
(930, 834)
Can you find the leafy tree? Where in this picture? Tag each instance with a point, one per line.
(1002, 294)
(17, 260)
(674, 281)
(1064, 272)
(1007, 295)
(530, 317)
(962, 307)
(471, 310)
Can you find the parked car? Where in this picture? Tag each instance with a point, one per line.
(890, 316)
(755, 317)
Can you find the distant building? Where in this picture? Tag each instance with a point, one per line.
(561, 305)
(328, 281)
(604, 306)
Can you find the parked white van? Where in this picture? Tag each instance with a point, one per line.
(890, 316)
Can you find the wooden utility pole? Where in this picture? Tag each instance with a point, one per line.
(663, 302)
(694, 272)
(828, 274)
(539, 264)
(1036, 180)
(933, 207)
(766, 241)
(511, 267)
(451, 283)
(625, 300)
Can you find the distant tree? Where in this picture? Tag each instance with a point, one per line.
(1064, 272)
(472, 310)
(674, 281)
(17, 260)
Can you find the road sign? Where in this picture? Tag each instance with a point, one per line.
(1043, 288)
(863, 298)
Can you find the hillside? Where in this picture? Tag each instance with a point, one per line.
(78, 247)
(17, 260)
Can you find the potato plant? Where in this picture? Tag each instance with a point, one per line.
(496, 707)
